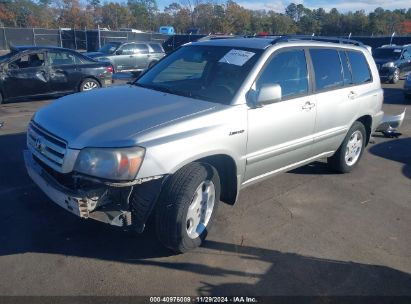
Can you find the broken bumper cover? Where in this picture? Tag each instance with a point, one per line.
(72, 201)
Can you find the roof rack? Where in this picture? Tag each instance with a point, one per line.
(316, 38)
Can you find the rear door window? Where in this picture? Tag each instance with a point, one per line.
(63, 58)
(140, 49)
(327, 69)
(359, 67)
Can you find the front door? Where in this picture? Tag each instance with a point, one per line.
(281, 134)
(26, 75)
(124, 60)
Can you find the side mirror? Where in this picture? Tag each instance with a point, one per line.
(267, 94)
(119, 52)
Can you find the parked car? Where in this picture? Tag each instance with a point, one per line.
(166, 30)
(209, 119)
(407, 86)
(29, 71)
(129, 56)
(393, 62)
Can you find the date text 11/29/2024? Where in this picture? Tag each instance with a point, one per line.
(204, 299)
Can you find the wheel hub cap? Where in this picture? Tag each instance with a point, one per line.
(89, 86)
(353, 149)
(200, 210)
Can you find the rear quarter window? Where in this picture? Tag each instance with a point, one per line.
(359, 67)
(156, 48)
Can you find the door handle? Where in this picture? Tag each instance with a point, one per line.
(352, 95)
(308, 106)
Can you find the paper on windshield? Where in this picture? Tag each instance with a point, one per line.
(237, 57)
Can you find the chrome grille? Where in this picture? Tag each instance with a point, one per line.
(47, 147)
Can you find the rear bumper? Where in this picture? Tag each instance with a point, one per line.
(106, 81)
(376, 120)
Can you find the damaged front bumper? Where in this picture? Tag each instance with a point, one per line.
(93, 202)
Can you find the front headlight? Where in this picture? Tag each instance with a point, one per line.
(120, 164)
(388, 65)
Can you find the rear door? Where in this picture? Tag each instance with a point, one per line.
(141, 54)
(337, 78)
(63, 71)
(27, 75)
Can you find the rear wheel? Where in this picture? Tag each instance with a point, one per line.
(187, 207)
(350, 151)
(89, 84)
(1, 99)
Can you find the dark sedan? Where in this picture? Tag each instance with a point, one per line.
(393, 62)
(39, 71)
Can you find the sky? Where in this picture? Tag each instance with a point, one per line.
(342, 6)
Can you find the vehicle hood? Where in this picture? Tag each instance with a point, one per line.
(114, 117)
(95, 54)
(383, 60)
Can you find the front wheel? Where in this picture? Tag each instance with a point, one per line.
(350, 151)
(396, 76)
(187, 207)
(89, 84)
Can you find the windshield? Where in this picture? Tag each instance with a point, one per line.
(109, 48)
(211, 73)
(391, 53)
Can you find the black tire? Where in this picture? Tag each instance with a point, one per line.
(396, 76)
(175, 199)
(1, 99)
(89, 84)
(338, 161)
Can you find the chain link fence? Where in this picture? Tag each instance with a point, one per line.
(87, 40)
(92, 40)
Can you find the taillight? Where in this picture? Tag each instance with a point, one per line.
(110, 69)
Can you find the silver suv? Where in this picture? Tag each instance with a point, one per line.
(205, 122)
(130, 56)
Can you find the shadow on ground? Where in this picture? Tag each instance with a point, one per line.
(29, 222)
(398, 150)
